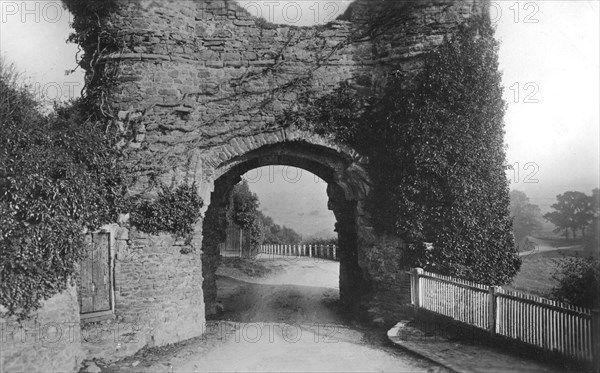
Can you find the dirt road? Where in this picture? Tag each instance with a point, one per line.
(288, 321)
(542, 246)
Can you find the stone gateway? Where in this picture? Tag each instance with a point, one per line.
(199, 88)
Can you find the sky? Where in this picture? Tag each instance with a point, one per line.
(549, 57)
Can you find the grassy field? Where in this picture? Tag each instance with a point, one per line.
(541, 262)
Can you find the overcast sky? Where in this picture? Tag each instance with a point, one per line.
(549, 56)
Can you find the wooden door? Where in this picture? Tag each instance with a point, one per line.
(95, 277)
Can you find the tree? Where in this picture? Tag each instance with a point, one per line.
(244, 205)
(526, 216)
(244, 213)
(573, 212)
(276, 234)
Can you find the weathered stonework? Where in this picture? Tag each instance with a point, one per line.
(49, 341)
(158, 289)
(200, 90)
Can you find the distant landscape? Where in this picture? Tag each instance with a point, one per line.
(295, 198)
(541, 262)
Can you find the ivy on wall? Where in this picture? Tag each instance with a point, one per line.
(175, 210)
(95, 38)
(436, 156)
(59, 174)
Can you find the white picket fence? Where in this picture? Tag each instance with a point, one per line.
(550, 325)
(314, 251)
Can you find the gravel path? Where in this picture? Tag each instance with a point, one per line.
(287, 321)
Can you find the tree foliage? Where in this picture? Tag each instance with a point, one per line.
(244, 213)
(592, 240)
(276, 234)
(578, 282)
(244, 205)
(436, 156)
(526, 216)
(59, 174)
(573, 212)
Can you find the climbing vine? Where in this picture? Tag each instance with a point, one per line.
(96, 40)
(436, 156)
(175, 210)
(59, 175)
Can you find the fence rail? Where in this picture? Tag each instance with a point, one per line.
(314, 251)
(550, 325)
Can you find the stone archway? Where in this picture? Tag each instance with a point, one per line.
(198, 89)
(348, 186)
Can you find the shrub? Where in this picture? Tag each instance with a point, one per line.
(578, 282)
(174, 211)
(58, 175)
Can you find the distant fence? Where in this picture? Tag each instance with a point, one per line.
(554, 326)
(315, 251)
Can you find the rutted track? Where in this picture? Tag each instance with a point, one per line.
(288, 321)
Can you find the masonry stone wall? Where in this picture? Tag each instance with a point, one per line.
(158, 288)
(201, 88)
(50, 341)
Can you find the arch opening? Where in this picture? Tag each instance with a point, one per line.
(345, 192)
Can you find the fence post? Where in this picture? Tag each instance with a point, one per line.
(310, 251)
(596, 339)
(241, 243)
(416, 291)
(492, 309)
(334, 252)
